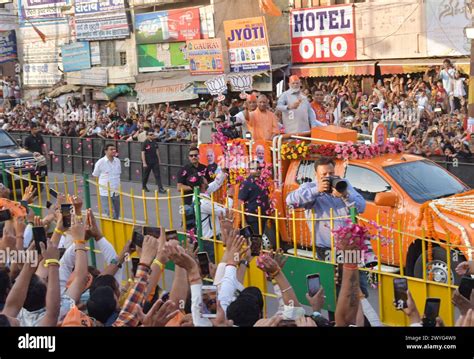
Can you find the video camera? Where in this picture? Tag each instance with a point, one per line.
(336, 182)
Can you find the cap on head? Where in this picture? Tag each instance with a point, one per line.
(294, 78)
(251, 97)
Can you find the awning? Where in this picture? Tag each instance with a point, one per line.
(181, 76)
(355, 68)
(406, 66)
(278, 66)
(169, 86)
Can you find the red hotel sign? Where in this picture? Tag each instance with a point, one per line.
(323, 34)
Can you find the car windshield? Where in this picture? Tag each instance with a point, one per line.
(424, 180)
(6, 141)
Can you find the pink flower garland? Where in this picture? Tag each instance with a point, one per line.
(351, 236)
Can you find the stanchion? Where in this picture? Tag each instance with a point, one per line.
(87, 202)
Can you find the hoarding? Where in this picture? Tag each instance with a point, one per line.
(205, 56)
(323, 34)
(247, 43)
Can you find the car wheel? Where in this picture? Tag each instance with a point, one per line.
(438, 267)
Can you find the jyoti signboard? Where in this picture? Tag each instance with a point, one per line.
(248, 45)
(323, 34)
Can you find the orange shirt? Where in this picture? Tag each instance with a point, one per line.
(320, 112)
(263, 125)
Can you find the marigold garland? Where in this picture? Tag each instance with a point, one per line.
(348, 151)
(432, 213)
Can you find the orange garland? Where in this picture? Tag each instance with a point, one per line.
(431, 218)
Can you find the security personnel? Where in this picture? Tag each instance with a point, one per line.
(151, 161)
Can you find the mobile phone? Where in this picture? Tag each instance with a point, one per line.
(246, 232)
(431, 311)
(39, 235)
(5, 215)
(255, 245)
(135, 262)
(203, 260)
(400, 286)
(165, 297)
(66, 212)
(314, 283)
(137, 237)
(209, 301)
(53, 193)
(171, 235)
(466, 286)
(48, 204)
(152, 231)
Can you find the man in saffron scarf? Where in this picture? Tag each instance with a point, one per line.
(262, 123)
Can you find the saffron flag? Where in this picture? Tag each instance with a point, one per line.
(40, 34)
(268, 7)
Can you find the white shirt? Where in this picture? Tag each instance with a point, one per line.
(206, 210)
(240, 118)
(459, 88)
(447, 76)
(68, 261)
(108, 172)
(423, 102)
(206, 206)
(228, 287)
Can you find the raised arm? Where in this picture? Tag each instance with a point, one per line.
(229, 283)
(179, 256)
(348, 300)
(17, 296)
(270, 266)
(80, 269)
(158, 264)
(128, 316)
(53, 297)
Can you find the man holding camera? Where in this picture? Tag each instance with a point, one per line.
(328, 192)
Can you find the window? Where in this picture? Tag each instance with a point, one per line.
(424, 180)
(366, 182)
(110, 54)
(6, 140)
(123, 58)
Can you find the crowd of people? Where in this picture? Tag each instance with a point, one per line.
(428, 111)
(57, 286)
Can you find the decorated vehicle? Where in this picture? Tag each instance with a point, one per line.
(15, 158)
(403, 192)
